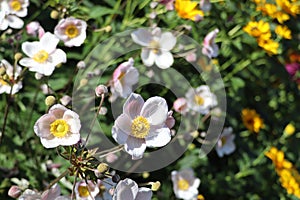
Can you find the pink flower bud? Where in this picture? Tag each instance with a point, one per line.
(100, 89)
(14, 191)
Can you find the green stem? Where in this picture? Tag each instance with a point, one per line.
(57, 179)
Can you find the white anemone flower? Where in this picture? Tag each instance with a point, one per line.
(185, 184)
(85, 191)
(13, 9)
(71, 31)
(156, 47)
(10, 78)
(225, 144)
(60, 126)
(128, 189)
(43, 55)
(142, 124)
(124, 77)
(201, 99)
(210, 48)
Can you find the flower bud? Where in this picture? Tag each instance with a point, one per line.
(100, 89)
(50, 100)
(54, 14)
(81, 65)
(14, 191)
(155, 186)
(289, 129)
(18, 56)
(102, 168)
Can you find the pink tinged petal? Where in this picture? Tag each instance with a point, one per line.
(160, 138)
(119, 135)
(15, 22)
(74, 125)
(133, 105)
(164, 60)
(49, 143)
(123, 122)
(131, 77)
(126, 189)
(135, 147)
(167, 41)
(70, 139)
(148, 57)
(155, 110)
(51, 193)
(31, 48)
(42, 125)
(126, 91)
(49, 42)
(142, 37)
(144, 194)
(57, 57)
(58, 110)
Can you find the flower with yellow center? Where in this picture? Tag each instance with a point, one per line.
(60, 126)
(258, 29)
(43, 55)
(270, 46)
(283, 31)
(225, 144)
(200, 99)
(71, 31)
(252, 120)
(185, 184)
(9, 78)
(15, 5)
(188, 9)
(277, 157)
(86, 190)
(142, 124)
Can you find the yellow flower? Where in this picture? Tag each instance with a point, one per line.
(252, 120)
(292, 7)
(289, 129)
(277, 157)
(258, 29)
(188, 10)
(283, 31)
(270, 46)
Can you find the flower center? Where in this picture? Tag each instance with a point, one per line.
(121, 75)
(223, 140)
(71, 31)
(15, 5)
(83, 191)
(59, 128)
(198, 100)
(183, 184)
(154, 46)
(140, 127)
(41, 56)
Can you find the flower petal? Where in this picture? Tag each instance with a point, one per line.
(155, 110)
(135, 147)
(119, 136)
(144, 194)
(133, 105)
(126, 189)
(164, 60)
(49, 42)
(148, 57)
(123, 122)
(57, 57)
(42, 125)
(167, 41)
(15, 22)
(160, 138)
(142, 37)
(30, 48)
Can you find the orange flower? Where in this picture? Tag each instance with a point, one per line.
(252, 120)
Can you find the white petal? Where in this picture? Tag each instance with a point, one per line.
(57, 110)
(133, 105)
(71, 139)
(135, 147)
(160, 138)
(144, 194)
(148, 57)
(142, 37)
(155, 110)
(119, 136)
(3, 25)
(123, 122)
(164, 60)
(42, 125)
(49, 42)
(49, 143)
(167, 41)
(57, 57)
(15, 22)
(30, 48)
(131, 77)
(126, 189)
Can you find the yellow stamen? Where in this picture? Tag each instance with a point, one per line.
(71, 31)
(154, 46)
(15, 5)
(41, 56)
(140, 127)
(183, 184)
(198, 100)
(83, 191)
(59, 128)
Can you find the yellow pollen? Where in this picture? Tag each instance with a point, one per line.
(41, 56)
(154, 46)
(83, 191)
(183, 184)
(59, 128)
(223, 140)
(15, 5)
(71, 31)
(140, 127)
(198, 100)
(121, 75)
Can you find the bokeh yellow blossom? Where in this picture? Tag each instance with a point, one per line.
(283, 31)
(270, 46)
(188, 10)
(252, 120)
(258, 29)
